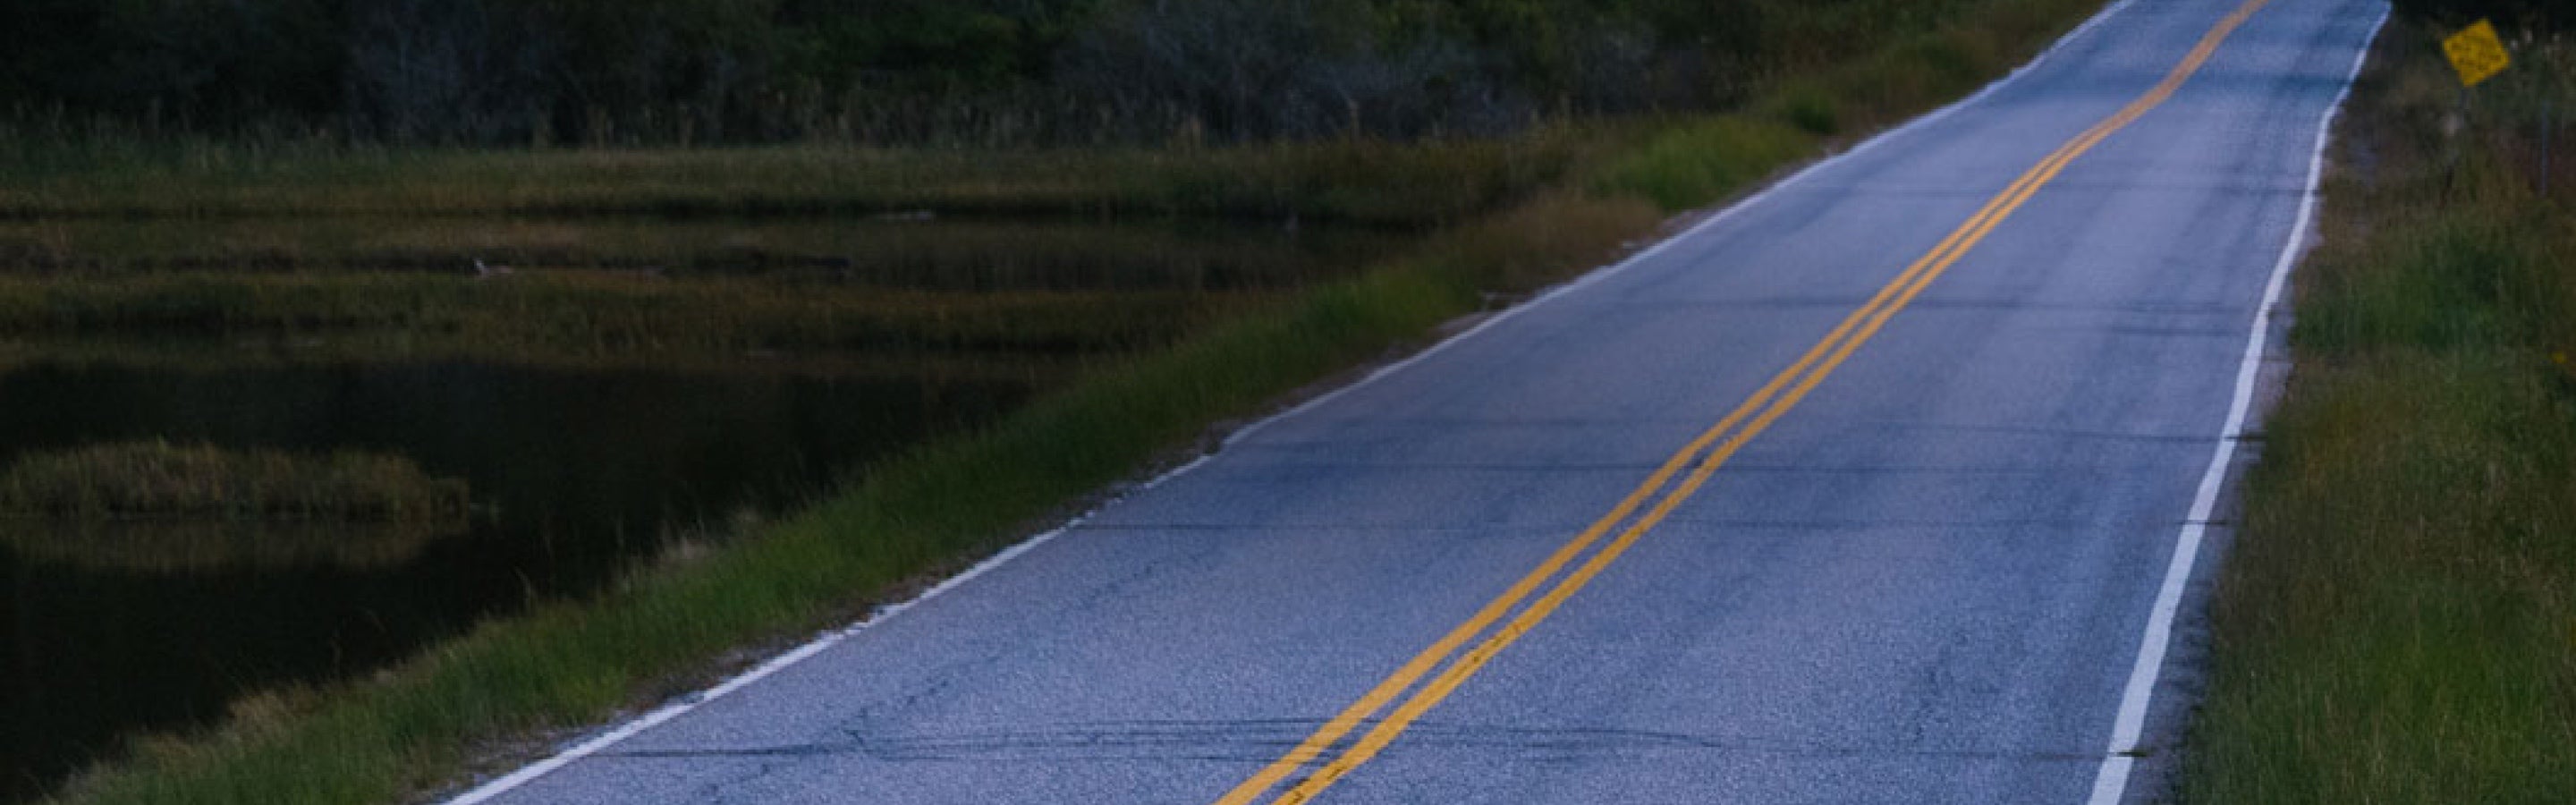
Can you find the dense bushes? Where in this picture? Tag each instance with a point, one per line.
(987, 72)
(2534, 14)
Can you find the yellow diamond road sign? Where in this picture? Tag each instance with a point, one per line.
(2476, 53)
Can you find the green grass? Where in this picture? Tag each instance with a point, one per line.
(1701, 161)
(160, 480)
(2397, 623)
(413, 727)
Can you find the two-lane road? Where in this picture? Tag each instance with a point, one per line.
(1870, 490)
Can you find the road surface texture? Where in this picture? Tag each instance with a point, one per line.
(1905, 445)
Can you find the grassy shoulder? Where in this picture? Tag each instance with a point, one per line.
(415, 727)
(2398, 620)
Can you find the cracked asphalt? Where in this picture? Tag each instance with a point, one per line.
(1924, 584)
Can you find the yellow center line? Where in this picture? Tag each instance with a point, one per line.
(1772, 400)
(1404, 677)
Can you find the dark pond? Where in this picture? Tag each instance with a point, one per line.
(127, 629)
(584, 474)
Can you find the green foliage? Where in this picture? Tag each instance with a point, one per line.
(1810, 107)
(950, 72)
(2462, 281)
(927, 42)
(2536, 14)
(1697, 163)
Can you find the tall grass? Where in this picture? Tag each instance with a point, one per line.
(937, 508)
(2398, 621)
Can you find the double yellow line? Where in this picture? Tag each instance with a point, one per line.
(1710, 450)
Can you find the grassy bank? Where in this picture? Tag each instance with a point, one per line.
(412, 728)
(2398, 621)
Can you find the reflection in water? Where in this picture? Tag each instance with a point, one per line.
(184, 546)
(583, 472)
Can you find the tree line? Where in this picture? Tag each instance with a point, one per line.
(987, 72)
(2531, 15)
(984, 71)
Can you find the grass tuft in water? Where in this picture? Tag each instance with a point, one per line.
(156, 479)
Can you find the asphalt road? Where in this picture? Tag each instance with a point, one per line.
(1925, 577)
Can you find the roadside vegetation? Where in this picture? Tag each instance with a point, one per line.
(1533, 204)
(2397, 623)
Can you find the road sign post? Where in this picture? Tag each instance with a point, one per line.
(2476, 54)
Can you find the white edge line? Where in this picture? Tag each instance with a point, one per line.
(682, 705)
(2111, 781)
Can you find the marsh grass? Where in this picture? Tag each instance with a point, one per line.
(2397, 623)
(1355, 181)
(942, 254)
(935, 368)
(871, 296)
(414, 726)
(601, 314)
(156, 479)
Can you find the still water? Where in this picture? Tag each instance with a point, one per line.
(117, 630)
(581, 473)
